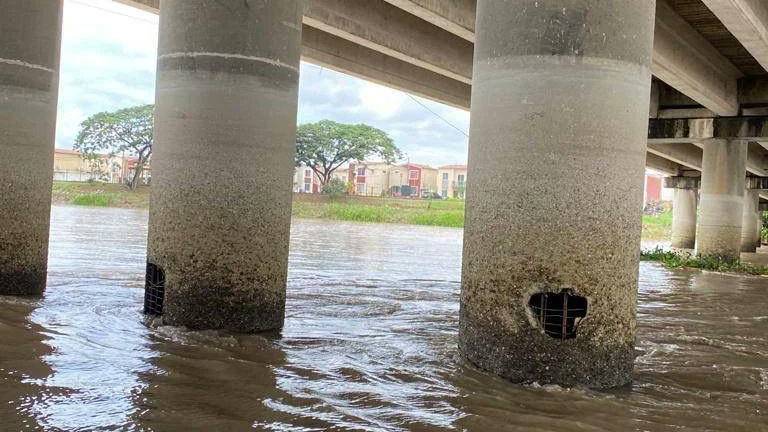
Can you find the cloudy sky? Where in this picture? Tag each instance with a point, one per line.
(108, 62)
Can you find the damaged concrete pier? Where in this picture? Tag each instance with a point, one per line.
(561, 75)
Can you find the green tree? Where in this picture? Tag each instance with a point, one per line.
(127, 131)
(326, 145)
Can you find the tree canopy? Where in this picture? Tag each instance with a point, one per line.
(127, 130)
(324, 146)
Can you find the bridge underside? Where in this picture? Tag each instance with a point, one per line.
(568, 108)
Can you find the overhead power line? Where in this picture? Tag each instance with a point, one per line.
(438, 115)
(114, 12)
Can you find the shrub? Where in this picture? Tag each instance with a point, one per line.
(335, 188)
(672, 259)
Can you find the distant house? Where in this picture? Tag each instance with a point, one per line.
(371, 178)
(69, 165)
(305, 180)
(376, 178)
(452, 180)
(652, 190)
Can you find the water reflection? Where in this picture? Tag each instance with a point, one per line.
(369, 344)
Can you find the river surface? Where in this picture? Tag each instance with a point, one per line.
(369, 344)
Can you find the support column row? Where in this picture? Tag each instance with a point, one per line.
(30, 39)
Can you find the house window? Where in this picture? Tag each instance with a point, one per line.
(445, 177)
(308, 173)
(361, 188)
(307, 185)
(413, 174)
(461, 180)
(361, 171)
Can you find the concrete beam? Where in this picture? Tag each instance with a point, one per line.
(152, 6)
(695, 130)
(380, 26)
(455, 16)
(662, 164)
(686, 155)
(344, 56)
(757, 183)
(686, 61)
(756, 160)
(681, 56)
(747, 20)
(682, 182)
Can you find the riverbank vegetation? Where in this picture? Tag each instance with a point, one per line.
(675, 260)
(445, 213)
(97, 194)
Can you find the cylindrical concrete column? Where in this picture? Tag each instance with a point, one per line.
(30, 39)
(560, 99)
(225, 126)
(751, 201)
(684, 218)
(722, 199)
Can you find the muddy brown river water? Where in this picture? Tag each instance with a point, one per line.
(369, 344)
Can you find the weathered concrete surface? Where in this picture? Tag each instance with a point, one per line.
(380, 26)
(684, 206)
(30, 39)
(219, 223)
(456, 16)
(758, 227)
(748, 21)
(722, 196)
(748, 233)
(560, 97)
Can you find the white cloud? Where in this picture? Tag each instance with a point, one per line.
(108, 62)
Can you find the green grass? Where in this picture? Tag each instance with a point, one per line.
(94, 200)
(382, 213)
(657, 227)
(672, 259)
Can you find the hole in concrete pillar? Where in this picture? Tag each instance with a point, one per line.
(154, 290)
(558, 314)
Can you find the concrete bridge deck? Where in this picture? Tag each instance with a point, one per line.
(709, 59)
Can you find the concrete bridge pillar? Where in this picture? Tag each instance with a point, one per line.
(749, 237)
(30, 39)
(227, 92)
(722, 198)
(557, 152)
(761, 208)
(684, 206)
